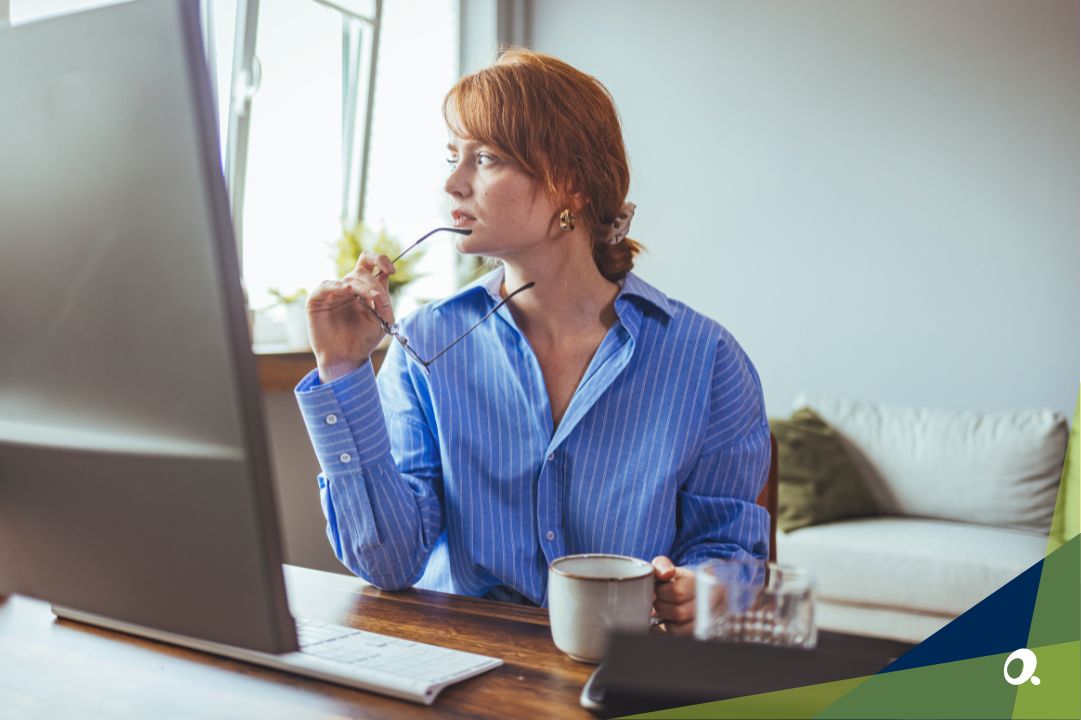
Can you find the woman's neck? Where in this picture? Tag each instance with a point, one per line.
(570, 297)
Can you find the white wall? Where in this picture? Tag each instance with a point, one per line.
(879, 199)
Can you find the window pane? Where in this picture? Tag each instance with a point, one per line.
(292, 199)
(418, 63)
(292, 203)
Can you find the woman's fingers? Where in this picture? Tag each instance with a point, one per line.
(374, 265)
(371, 293)
(380, 297)
(677, 590)
(362, 289)
(330, 294)
(373, 268)
(384, 269)
(350, 289)
(365, 262)
(344, 334)
(673, 596)
(674, 612)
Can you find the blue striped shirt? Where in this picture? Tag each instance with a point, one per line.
(455, 479)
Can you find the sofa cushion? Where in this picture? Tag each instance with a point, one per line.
(879, 621)
(930, 566)
(994, 468)
(817, 481)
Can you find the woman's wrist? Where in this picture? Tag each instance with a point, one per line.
(331, 370)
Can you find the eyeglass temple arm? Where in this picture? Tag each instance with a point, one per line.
(460, 231)
(477, 324)
(377, 271)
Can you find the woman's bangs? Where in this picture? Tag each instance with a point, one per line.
(470, 115)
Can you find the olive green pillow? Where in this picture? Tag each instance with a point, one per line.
(818, 482)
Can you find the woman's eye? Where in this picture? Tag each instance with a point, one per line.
(481, 158)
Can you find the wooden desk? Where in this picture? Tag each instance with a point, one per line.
(52, 668)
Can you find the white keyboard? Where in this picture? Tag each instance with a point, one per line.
(382, 663)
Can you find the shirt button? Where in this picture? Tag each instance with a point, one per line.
(551, 457)
(551, 535)
(345, 457)
(332, 419)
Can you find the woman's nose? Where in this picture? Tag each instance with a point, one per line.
(457, 185)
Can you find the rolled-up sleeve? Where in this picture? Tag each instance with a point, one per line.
(380, 487)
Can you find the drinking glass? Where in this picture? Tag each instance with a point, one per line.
(755, 601)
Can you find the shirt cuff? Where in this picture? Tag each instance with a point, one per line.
(344, 419)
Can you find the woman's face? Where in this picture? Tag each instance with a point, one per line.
(491, 195)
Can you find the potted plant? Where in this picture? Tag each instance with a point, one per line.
(296, 316)
(358, 239)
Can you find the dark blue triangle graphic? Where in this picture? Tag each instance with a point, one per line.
(997, 624)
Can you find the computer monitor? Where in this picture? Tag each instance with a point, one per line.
(135, 483)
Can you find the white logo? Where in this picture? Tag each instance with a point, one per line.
(1028, 667)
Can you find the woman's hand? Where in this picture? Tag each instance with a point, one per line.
(344, 333)
(674, 598)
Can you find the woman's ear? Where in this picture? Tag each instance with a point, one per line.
(567, 197)
(576, 202)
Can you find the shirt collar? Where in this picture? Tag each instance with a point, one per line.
(631, 286)
(635, 286)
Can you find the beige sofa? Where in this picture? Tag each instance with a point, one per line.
(964, 505)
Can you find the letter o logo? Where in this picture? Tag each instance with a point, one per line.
(1028, 667)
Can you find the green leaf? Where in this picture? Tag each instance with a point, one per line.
(353, 241)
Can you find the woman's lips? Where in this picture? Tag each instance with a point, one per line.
(462, 219)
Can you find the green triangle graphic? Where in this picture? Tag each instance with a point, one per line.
(1059, 693)
(1055, 637)
(973, 688)
(1056, 615)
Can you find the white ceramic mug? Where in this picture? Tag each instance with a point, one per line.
(592, 595)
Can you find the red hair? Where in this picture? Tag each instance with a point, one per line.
(561, 126)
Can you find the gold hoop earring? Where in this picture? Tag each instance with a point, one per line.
(566, 220)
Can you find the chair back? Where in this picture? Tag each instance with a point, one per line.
(768, 497)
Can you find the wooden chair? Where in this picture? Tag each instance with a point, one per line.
(768, 498)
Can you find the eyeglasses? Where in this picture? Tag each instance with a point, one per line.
(393, 329)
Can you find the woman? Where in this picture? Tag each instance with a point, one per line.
(590, 414)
